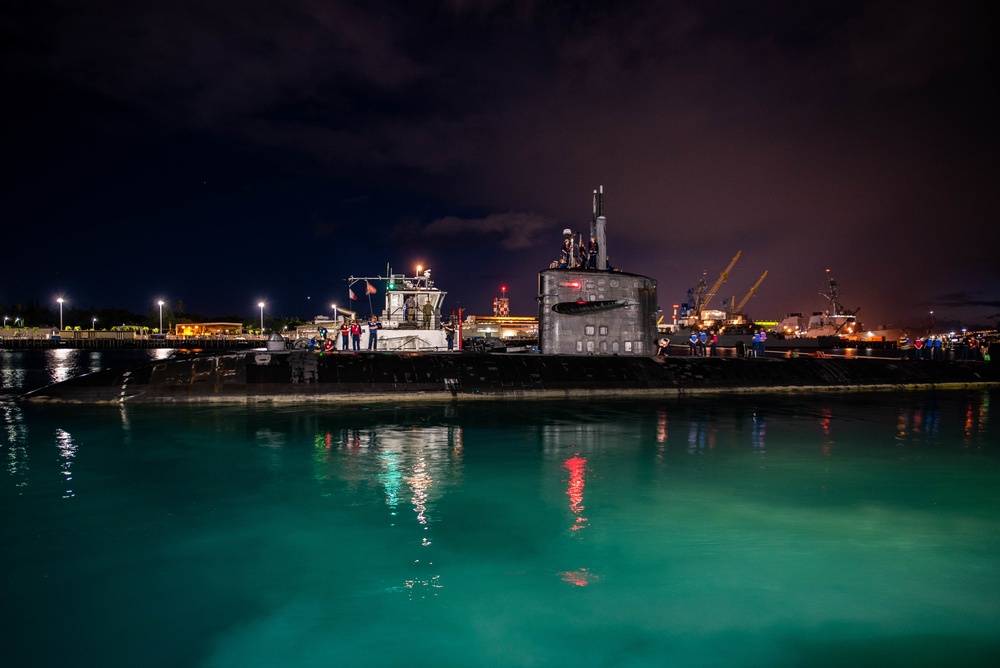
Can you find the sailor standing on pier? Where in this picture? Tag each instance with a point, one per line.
(373, 326)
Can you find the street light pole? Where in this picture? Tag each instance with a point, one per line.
(93, 324)
(261, 305)
(161, 315)
(334, 307)
(60, 300)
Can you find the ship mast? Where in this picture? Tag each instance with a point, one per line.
(598, 229)
(832, 294)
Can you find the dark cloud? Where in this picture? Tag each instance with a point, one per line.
(513, 230)
(854, 136)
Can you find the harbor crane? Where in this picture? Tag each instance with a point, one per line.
(705, 299)
(743, 302)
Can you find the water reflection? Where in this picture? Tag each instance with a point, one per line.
(12, 373)
(67, 451)
(977, 417)
(826, 440)
(411, 466)
(700, 436)
(577, 467)
(16, 432)
(580, 577)
(759, 431)
(62, 363)
(25, 370)
(922, 420)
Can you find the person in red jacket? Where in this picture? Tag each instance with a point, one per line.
(356, 335)
(345, 332)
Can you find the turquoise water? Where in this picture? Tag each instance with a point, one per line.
(835, 530)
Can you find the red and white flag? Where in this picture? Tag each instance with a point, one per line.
(351, 292)
(369, 288)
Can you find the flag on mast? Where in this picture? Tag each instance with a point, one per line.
(351, 292)
(369, 288)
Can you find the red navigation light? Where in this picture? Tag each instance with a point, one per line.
(571, 284)
(503, 288)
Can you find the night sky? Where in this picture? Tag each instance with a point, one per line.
(227, 153)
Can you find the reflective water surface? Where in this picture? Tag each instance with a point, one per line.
(834, 530)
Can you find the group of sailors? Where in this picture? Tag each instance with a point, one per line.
(934, 347)
(350, 336)
(579, 255)
(411, 309)
(351, 331)
(703, 344)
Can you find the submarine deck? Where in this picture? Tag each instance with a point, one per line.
(303, 376)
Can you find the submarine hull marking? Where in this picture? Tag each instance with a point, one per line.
(578, 308)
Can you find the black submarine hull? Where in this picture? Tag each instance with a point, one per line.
(304, 376)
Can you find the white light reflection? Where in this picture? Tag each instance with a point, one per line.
(420, 483)
(11, 375)
(67, 451)
(158, 354)
(413, 467)
(424, 457)
(126, 425)
(17, 438)
(94, 363)
(62, 363)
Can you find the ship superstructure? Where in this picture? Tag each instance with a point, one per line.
(410, 318)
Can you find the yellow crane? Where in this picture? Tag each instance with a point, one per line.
(718, 284)
(743, 302)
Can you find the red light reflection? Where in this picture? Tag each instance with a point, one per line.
(577, 467)
(581, 577)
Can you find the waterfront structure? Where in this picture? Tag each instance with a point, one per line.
(201, 329)
(500, 326)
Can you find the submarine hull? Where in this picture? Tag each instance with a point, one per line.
(303, 376)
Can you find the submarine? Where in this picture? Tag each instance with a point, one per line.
(597, 340)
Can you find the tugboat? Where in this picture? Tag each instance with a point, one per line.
(411, 319)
